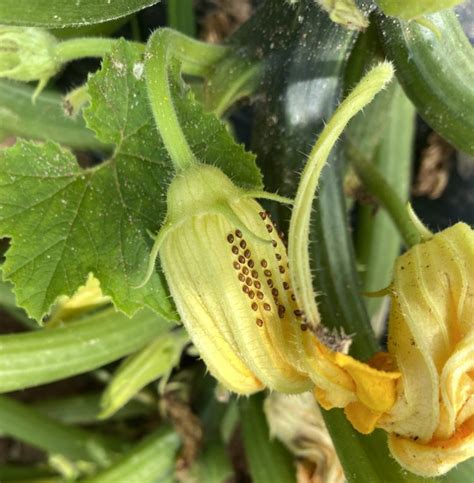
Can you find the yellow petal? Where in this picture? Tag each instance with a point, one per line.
(87, 297)
(437, 457)
(375, 389)
(361, 417)
(364, 391)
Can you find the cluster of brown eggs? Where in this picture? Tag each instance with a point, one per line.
(252, 273)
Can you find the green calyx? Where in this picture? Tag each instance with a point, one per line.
(199, 190)
(27, 54)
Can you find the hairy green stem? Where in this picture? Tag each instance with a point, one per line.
(164, 47)
(298, 252)
(83, 47)
(32, 358)
(381, 189)
(197, 58)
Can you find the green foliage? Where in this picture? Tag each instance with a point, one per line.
(66, 13)
(44, 119)
(17, 419)
(150, 461)
(156, 360)
(409, 10)
(33, 358)
(435, 66)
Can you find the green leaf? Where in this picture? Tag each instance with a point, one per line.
(33, 358)
(67, 222)
(66, 13)
(212, 144)
(8, 304)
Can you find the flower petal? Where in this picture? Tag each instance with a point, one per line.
(437, 457)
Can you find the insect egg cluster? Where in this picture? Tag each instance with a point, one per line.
(265, 281)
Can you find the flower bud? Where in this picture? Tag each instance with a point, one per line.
(27, 54)
(227, 271)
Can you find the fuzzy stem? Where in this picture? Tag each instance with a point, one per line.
(163, 46)
(157, 60)
(298, 252)
(83, 47)
(197, 58)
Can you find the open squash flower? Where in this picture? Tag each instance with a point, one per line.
(431, 337)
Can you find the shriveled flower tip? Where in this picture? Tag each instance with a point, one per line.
(431, 337)
(296, 420)
(227, 270)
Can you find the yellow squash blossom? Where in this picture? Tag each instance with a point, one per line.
(431, 337)
(426, 402)
(227, 271)
(421, 391)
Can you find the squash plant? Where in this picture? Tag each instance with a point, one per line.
(130, 208)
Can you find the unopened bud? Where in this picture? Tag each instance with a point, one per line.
(27, 54)
(227, 270)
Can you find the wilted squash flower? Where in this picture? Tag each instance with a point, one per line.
(296, 420)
